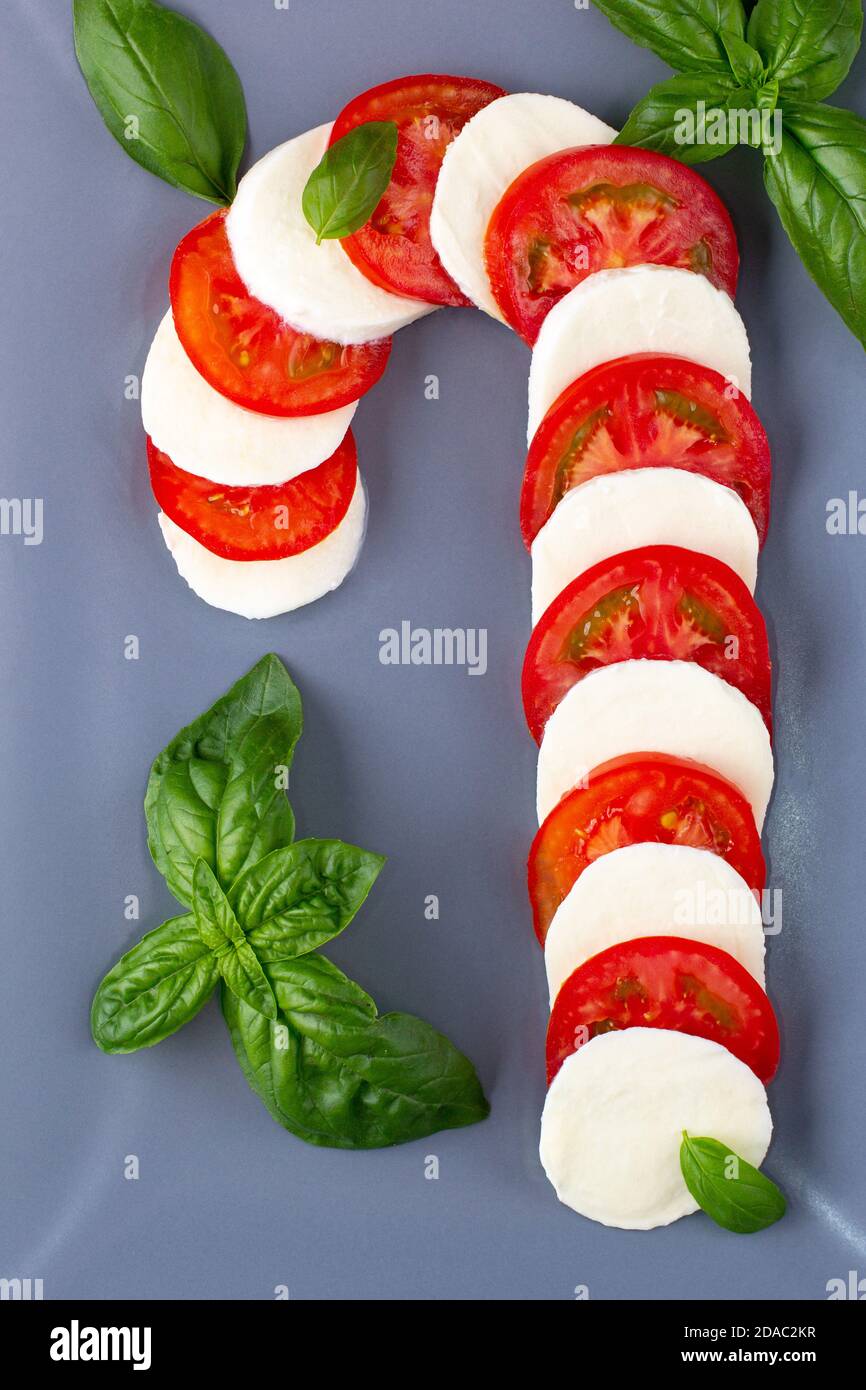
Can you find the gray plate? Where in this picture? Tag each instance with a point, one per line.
(430, 765)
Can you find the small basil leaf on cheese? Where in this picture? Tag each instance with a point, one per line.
(216, 791)
(221, 932)
(166, 91)
(297, 898)
(345, 187)
(734, 1193)
(334, 1072)
(154, 989)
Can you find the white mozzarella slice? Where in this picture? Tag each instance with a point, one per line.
(642, 308)
(673, 707)
(314, 288)
(265, 588)
(207, 434)
(480, 165)
(654, 890)
(615, 1113)
(642, 506)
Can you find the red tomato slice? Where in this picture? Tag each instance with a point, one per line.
(257, 523)
(637, 798)
(600, 207)
(394, 249)
(647, 411)
(246, 351)
(659, 602)
(666, 982)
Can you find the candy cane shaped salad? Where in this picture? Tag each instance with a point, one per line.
(647, 681)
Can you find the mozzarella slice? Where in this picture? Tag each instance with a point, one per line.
(207, 434)
(314, 288)
(673, 707)
(479, 166)
(642, 506)
(654, 890)
(615, 1113)
(642, 308)
(265, 588)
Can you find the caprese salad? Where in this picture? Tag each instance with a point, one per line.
(647, 680)
(646, 683)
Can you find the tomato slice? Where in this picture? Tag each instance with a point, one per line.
(394, 248)
(666, 982)
(257, 523)
(659, 602)
(647, 411)
(600, 207)
(633, 799)
(246, 351)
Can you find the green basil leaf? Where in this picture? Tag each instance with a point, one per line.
(686, 33)
(735, 1194)
(154, 989)
(221, 933)
(686, 117)
(817, 182)
(745, 61)
(807, 45)
(299, 897)
(345, 188)
(166, 91)
(213, 793)
(336, 1074)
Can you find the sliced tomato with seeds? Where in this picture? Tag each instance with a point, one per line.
(637, 798)
(601, 207)
(244, 350)
(666, 982)
(257, 523)
(660, 602)
(647, 411)
(394, 248)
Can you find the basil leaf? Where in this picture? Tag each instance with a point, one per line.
(686, 33)
(807, 45)
(213, 793)
(817, 182)
(300, 897)
(154, 989)
(336, 1074)
(672, 120)
(745, 61)
(744, 1203)
(221, 933)
(166, 91)
(345, 188)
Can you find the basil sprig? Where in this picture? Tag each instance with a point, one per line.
(166, 91)
(311, 1042)
(346, 186)
(734, 1193)
(787, 57)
